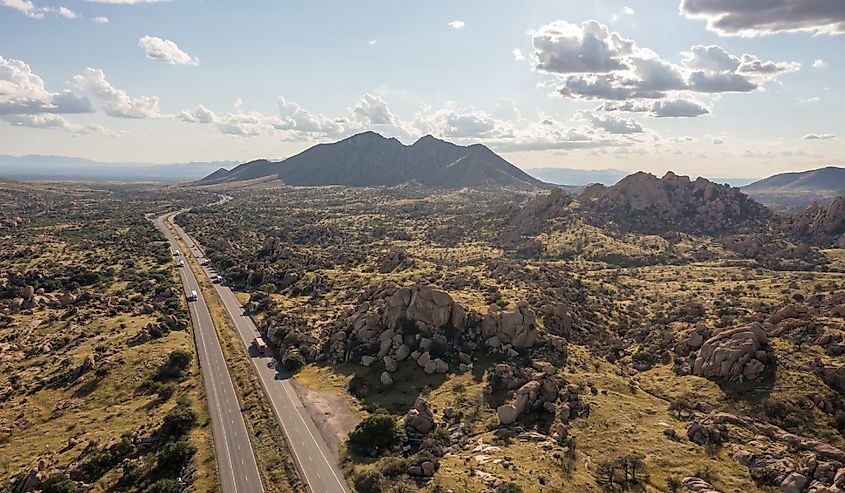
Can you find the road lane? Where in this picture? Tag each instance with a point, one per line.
(236, 462)
(313, 457)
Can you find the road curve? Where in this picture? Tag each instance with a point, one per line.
(236, 463)
(313, 458)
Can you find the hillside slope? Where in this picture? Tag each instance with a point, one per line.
(798, 189)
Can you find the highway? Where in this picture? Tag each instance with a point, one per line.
(313, 458)
(236, 463)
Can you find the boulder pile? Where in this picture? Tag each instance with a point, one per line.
(392, 324)
(736, 354)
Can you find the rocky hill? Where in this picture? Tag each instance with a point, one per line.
(794, 191)
(818, 225)
(644, 203)
(369, 159)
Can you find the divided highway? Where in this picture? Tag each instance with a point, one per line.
(236, 463)
(313, 458)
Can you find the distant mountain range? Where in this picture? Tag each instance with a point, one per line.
(791, 191)
(607, 177)
(369, 159)
(35, 167)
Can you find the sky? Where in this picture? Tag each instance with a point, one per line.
(711, 87)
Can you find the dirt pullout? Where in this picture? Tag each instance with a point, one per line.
(331, 413)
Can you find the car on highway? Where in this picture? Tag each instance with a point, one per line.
(181, 263)
(192, 296)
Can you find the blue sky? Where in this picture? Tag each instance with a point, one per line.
(186, 80)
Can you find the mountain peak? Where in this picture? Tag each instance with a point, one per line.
(370, 159)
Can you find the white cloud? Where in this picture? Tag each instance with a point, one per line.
(819, 64)
(116, 102)
(164, 50)
(678, 108)
(719, 140)
(22, 92)
(372, 110)
(518, 55)
(628, 10)
(126, 2)
(457, 25)
(819, 136)
(29, 9)
(764, 17)
(610, 123)
(100, 20)
(372, 42)
(591, 62)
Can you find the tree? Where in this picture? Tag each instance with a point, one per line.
(175, 455)
(176, 366)
(161, 486)
(634, 461)
(178, 421)
(374, 434)
(369, 482)
(509, 488)
(673, 484)
(606, 470)
(293, 362)
(59, 483)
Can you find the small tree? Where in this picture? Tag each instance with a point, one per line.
(293, 362)
(605, 470)
(59, 483)
(634, 461)
(175, 455)
(509, 488)
(161, 486)
(176, 366)
(673, 484)
(369, 482)
(374, 434)
(178, 421)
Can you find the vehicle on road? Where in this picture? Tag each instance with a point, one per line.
(193, 296)
(176, 253)
(218, 279)
(181, 263)
(260, 345)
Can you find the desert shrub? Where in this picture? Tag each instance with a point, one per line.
(161, 486)
(175, 455)
(178, 421)
(293, 362)
(176, 366)
(59, 483)
(369, 482)
(509, 488)
(374, 434)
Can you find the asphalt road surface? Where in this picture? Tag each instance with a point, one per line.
(235, 459)
(313, 457)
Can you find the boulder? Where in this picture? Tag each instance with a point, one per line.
(507, 414)
(736, 354)
(794, 483)
(386, 379)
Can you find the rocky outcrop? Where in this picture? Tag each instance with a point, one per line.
(736, 354)
(516, 327)
(419, 420)
(642, 202)
(698, 485)
(819, 226)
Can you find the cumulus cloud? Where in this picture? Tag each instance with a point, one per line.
(116, 102)
(29, 9)
(763, 17)
(100, 20)
(592, 62)
(518, 55)
(819, 64)
(678, 108)
(457, 25)
(819, 136)
(23, 92)
(164, 50)
(610, 123)
(372, 110)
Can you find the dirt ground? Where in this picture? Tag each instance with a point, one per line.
(331, 413)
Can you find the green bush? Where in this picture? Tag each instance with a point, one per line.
(374, 434)
(175, 455)
(176, 366)
(509, 488)
(161, 486)
(369, 482)
(59, 483)
(293, 362)
(178, 421)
